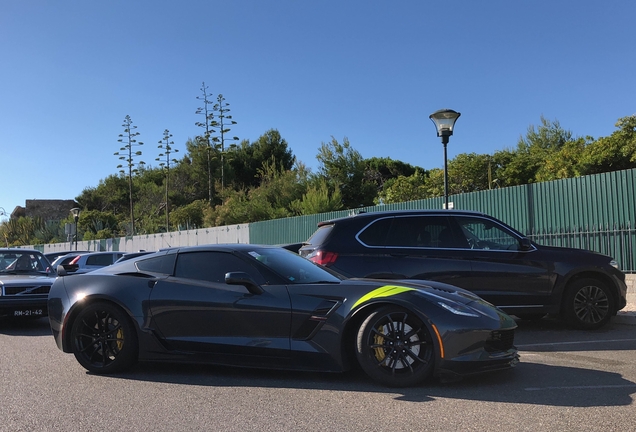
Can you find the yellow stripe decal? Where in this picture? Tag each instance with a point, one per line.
(385, 291)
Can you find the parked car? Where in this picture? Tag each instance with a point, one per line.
(52, 256)
(263, 306)
(131, 255)
(64, 260)
(86, 262)
(24, 283)
(477, 252)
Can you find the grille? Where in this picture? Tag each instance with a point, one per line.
(500, 340)
(26, 290)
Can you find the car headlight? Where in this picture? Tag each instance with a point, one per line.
(459, 309)
(614, 264)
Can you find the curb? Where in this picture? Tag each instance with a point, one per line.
(628, 314)
(625, 317)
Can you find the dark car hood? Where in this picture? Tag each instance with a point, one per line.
(574, 252)
(427, 288)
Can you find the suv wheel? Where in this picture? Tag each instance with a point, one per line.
(588, 304)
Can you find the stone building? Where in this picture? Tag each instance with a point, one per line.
(48, 210)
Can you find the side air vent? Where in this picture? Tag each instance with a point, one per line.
(316, 319)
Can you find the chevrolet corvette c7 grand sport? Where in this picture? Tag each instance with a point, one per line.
(266, 307)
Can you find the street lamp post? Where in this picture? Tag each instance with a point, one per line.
(75, 212)
(444, 120)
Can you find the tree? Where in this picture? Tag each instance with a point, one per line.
(21, 231)
(166, 145)
(469, 172)
(341, 165)
(207, 111)
(249, 158)
(403, 189)
(222, 110)
(127, 154)
(97, 224)
(110, 195)
(190, 176)
(190, 216)
(380, 170)
(318, 199)
(564, 163)
(613, 153)
(532, 152)
(215, 136)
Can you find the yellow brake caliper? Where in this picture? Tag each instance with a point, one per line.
(120, 339)
(379, 340)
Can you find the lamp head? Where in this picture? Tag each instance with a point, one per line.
(444, 120)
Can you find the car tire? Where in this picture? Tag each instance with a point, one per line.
(395, 348)
(588, 304)
(103, 339)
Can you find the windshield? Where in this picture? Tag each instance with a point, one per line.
(18, 262)
(293, 267)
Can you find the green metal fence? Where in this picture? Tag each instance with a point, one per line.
(595, 212)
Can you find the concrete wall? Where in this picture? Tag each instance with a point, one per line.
(631, 284)
(153, 242)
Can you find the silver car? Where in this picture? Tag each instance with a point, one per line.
(86, 262)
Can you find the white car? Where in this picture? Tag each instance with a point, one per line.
(86, 262)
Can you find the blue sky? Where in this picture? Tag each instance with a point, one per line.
(370, 71)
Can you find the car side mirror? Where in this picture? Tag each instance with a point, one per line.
(61, 271)
(242, 278)
(525, 244)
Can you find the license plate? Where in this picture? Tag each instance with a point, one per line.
(28, 313)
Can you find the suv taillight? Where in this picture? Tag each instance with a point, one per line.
(323, 258)
(75, 260)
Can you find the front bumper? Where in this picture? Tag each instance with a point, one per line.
(19, 307)
(472, 365)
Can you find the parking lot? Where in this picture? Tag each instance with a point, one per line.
(567, 380)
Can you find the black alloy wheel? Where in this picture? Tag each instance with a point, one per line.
(103, 339)
(588, 304)
(395, 348)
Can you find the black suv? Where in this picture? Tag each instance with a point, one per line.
(476, 252)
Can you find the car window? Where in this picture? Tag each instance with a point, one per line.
(63, 260)
(375, 233)
(212, 266)
(162, 264)
(101, 260)
(320, 235)
(292, 267)
(423, 231)
(23, 262)
(485, 234)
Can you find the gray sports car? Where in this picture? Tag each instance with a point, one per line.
(263, 306)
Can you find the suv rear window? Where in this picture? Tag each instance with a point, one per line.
(320, 235)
